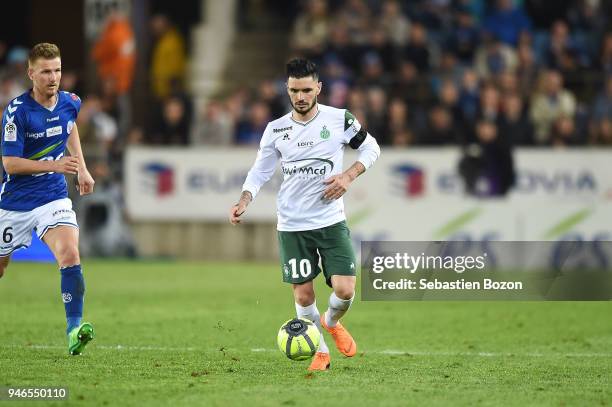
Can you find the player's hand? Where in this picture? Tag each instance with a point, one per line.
(337, 185)
(236, 212)
(67, 165)
(85, 182)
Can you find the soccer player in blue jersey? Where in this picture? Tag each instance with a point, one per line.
(37, 127)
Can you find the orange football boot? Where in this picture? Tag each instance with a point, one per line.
(320, 361)
(344, 341)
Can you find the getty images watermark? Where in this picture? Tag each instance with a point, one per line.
(486, 270)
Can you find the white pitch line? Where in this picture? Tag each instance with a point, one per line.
(379, 352)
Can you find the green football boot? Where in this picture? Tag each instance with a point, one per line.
(79, 337)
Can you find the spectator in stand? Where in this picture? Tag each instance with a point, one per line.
(448, 97)
(399, 119)
(396, 25)
(173, 126)
(357, 100)
(214, 127)
(311, 30)
(269, 94)
(601, 133)
(490, 104)
(602, 108)
(526, 70)
(487, 166)
(378, 121)
(605, 55)
(250, 129)
(464, 37)
(550, 103)
(417, 50)
(588, 19)
(169, 58)
(506, 22)
(440, 130)
(373, 73)
(379, 43)
(564, 133)
(337, 82)
(357, 18)
(563, 53)
(339, 46)
(402, 138)
(410, 87)
(494, 57)
(469, 96)
(97, 129)
(514, 123)
(115, 54)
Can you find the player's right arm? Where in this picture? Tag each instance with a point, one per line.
(23, 166)
(13, 136)
(260, 173)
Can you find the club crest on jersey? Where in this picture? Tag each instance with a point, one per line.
(325, 133)
(10, 132)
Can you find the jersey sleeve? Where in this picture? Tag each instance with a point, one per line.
(76, 102)
(13, 130)
(356, 136)
(354, 133)
(264, 166)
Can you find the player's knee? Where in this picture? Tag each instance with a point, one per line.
(69, 256)
(304, 298)
(344, 292)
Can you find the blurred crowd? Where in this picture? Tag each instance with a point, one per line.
(424, 72)
(445, 72)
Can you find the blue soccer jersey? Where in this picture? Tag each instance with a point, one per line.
(30, 130)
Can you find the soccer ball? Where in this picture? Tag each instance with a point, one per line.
(298, 339)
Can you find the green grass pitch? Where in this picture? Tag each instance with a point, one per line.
(186, 334)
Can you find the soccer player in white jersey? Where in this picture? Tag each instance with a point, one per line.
(37, 127)
(309, 141)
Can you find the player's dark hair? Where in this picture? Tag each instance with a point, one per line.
(43, 50)
(302, 68)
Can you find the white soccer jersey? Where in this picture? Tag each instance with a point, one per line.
(309, 153)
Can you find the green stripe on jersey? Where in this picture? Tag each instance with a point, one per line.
(44, 152)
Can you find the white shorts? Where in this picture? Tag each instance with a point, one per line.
(16, 227)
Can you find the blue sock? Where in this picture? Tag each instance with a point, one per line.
(73, 290)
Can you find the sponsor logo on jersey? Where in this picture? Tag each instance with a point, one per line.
(52, 119)
(286, 136)
(10, 132)
(54, 131)
(305, 144)
(69, 127)
(282, 130)
(325, 133)
(35, 135)
(307, 168)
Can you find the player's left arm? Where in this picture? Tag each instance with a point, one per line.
(359, 139)
(84, 178)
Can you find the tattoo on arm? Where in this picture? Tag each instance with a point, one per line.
(355, 170)
(245, 197)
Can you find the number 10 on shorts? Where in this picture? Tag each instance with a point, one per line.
(305, 268)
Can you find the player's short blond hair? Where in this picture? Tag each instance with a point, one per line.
(43, 50)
